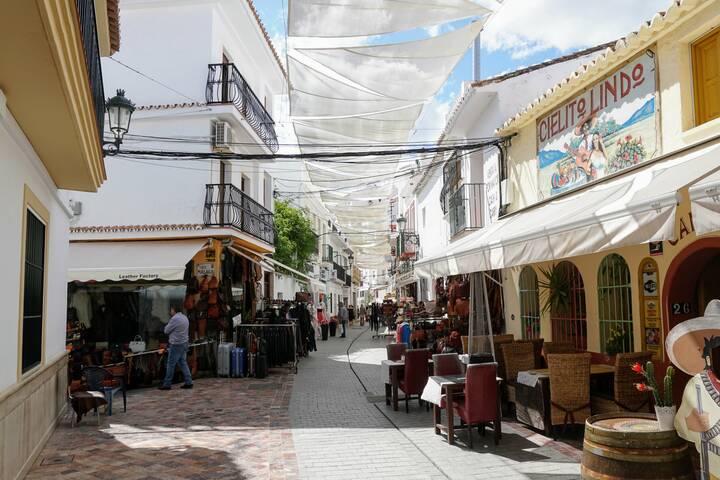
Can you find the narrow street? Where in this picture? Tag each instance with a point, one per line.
(321, 424)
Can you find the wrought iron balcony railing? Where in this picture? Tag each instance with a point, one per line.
(328, 255)
(88, 31)
(225, 84)
(348, 280)
(227, 206)
(465, 208)
(340, 271)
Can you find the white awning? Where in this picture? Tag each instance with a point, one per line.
(303, 277)
(123, 261)
(705, 202)
(635, 208)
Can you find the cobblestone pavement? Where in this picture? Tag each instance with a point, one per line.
(343, 432)
(222, 429)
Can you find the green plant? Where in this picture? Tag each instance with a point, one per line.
(664, 398)
(618, 337)
(295, 241)
(556, 290)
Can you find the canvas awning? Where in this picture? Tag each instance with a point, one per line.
(635, 208)
(705, 202)
(300, 276)
(130, 261)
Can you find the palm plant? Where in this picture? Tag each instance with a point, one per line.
(556, 290)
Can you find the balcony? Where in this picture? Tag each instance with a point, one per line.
(348, 280)
(227, 206)
(89, 36)
(327, 254)
(340, 272)
(465, 208)
(226, 85)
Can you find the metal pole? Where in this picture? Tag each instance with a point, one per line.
(704, 449)
(476, 58)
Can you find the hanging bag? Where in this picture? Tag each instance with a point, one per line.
(137, 345)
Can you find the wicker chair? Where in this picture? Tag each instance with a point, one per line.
(537, 344)
(627, 398)
(498, 341)
(569, 388)
(550, 348)
(518, 356)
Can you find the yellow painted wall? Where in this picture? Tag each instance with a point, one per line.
(675, 103)
(677, 130)
(588, 266)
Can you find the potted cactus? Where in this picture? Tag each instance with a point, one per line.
(664, 408)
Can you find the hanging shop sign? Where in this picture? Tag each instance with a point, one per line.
(205, 269)
(607, 128)
(650, 310)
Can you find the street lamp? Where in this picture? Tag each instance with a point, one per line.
(401, 221)
(120, 110)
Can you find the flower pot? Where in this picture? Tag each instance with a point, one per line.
(665, 418)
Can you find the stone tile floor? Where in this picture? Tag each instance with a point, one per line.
(222, 429)
(325, 423)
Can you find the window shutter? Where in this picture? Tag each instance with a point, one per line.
(706, 73)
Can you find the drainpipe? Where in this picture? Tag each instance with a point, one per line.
(476, 58)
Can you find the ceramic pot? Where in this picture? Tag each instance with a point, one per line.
(665, 418)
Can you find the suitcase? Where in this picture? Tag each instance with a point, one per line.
(251, 364)
(237, 364)
(261, 366)
(223, 359)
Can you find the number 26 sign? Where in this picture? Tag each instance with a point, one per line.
(681, 308)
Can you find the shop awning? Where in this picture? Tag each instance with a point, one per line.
(123, 261)
(302, 276)
(635, 208)
(705, 203)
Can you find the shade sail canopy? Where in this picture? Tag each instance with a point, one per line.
(632, 209)
(412, 71)
(129, 261)
(348, 18)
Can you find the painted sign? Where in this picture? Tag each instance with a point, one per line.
(607, 128)
(650, 311)
(205, 269)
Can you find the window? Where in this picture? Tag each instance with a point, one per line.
(33, 291)
(245, 185)
(615, 305)
(268, 191)
(706, 77)
(529, 304)
(569, 317)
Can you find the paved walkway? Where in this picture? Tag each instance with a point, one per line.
(343, 432)
(222, 429)
(324, 423)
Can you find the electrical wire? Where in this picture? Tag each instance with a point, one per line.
(154, 80)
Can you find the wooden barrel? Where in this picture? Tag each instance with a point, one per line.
(628, 446)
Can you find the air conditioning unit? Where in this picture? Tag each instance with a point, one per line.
(222, 138)
(332, 274)
(324, 275)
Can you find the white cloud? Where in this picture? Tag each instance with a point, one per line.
(525, 27)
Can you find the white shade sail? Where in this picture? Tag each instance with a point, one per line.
(632, 209)
(356, 94)
(348, 18)
(130, 261)
(412, 71)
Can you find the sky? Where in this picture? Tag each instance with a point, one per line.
(522, 33)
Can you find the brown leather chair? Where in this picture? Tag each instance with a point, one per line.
(479, 405)
(415, 375)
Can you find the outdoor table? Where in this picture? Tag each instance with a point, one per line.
(450, 385)
(532, 396)
(391, 371)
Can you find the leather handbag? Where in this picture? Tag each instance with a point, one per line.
(137, 345)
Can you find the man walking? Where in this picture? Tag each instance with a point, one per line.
(177, 330)
(343, 316)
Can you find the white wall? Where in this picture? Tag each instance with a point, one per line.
(21, 167)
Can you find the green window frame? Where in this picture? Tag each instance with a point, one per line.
(529, 304)
(615, 305)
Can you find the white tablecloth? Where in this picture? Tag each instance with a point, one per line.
(385, 370)
(433, 389)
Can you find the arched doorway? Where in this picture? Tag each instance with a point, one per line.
(690, 283)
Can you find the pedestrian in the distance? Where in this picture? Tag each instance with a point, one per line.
(177, 330)
(362, 314)
(343, 316)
